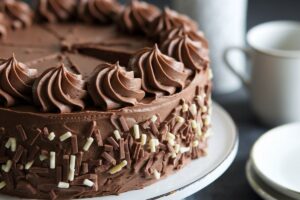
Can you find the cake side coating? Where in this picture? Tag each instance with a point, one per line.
(111, 102)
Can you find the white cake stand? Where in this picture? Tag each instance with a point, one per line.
(222, 150)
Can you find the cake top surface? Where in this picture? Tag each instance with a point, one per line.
(69, 56)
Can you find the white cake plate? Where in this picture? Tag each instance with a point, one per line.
(222, 150)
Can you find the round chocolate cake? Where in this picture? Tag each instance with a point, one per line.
(98, 98)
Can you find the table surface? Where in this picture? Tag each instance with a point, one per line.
(233, 184)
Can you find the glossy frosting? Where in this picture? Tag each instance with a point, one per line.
(57, 89)
(113, 87)
(15, 82)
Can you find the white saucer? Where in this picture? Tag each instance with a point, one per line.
(260, 187)
(276, 159)
(198, 174)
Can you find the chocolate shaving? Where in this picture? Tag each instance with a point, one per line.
(127, 155)
(58, 173)
(24, 156)
(109, 158)
(124, 124)
(39, 170)
(35, 137)
(140, 163)
(98, 138)
(91, 129)
(154, 129)
(79, 157)
(122, 149)
(113, 120)
(136, 150)
(108, 147)
(33, 152)
(66, 167)
(84, 168)
(74, 144)
(22, 132)
(113, 142)
(18, 153)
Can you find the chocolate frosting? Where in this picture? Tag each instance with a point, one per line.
(15, 81)
(56, 10)
(168, 20)
(18, 14)
(194, 54)
(103, 11)
(137, 16)
(113, 87)
(160, 73)
(58, 89)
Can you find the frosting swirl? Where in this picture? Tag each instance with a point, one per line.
(160, 73)
(16, 81)
(194, 54)
(56, 10)
(113, 87)
(57, 89)
(137, 16)
(168, 20)
(102, 11)
(18, 13)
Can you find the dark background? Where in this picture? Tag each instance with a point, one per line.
(233, 184)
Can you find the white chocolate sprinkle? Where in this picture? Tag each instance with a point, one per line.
(156, 174)
(29, 165)
(171, 142)
(185, 107)
(171, 136)
(63, 185)
(8, 143)
(72, 161)
(207, 121)
(193, 109)
(180, 120)
(153, 118)
(88, 144)
(52, 160)
(118, 167)
(194, 124)
(177, 148)
(88, 183)
(13, 144)
(117, 134)
(184, 149)
(143, 139)
(136, 131)
(51, 136)
(65, 136)
(2, 185)
(7, 166)
(152, 145)
(198, 131)
(173, 154)
(156, 142)
(71, 175)
(204, 109)
(195, 143)
(43, 157)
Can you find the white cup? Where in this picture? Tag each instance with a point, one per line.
(274, 82)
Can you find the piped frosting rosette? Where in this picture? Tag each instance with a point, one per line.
(160, 73)
(58, 89)
(16, 81)
(113, 87)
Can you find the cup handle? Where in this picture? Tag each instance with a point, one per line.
(242, 77)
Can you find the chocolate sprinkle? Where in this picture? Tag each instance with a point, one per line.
(91, 129)
(18, 153)
(113, 142)
(74, 144)
(98, 138)
(109, 158)
(108, 147)
(22, 132)
(124, 124)
(36, 134)
(122, 149)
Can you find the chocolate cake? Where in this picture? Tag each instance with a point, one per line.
(98, 98)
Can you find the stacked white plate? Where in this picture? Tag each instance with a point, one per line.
(273, 169)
